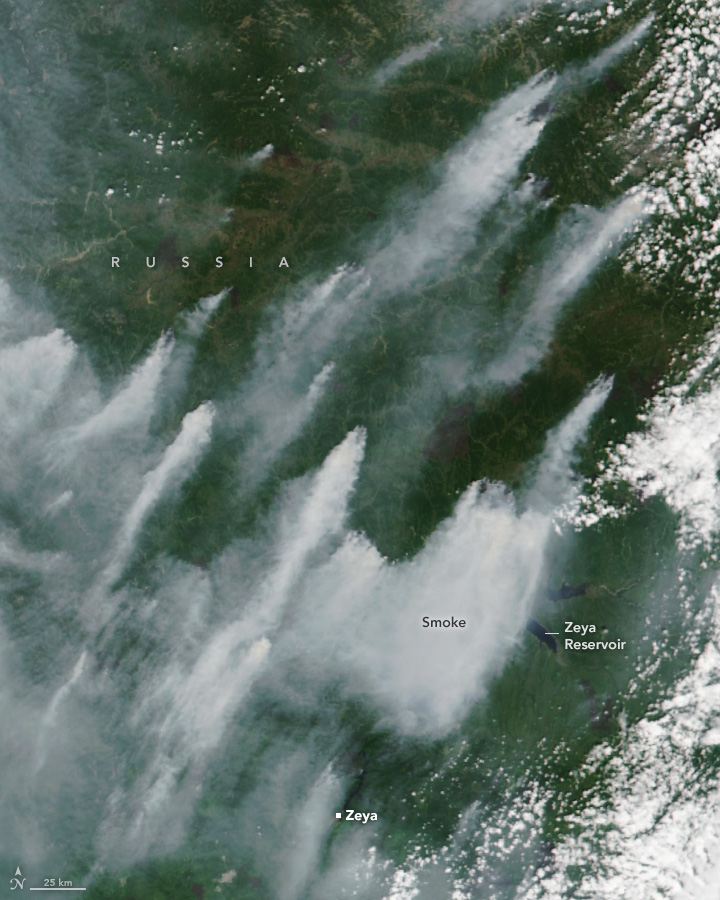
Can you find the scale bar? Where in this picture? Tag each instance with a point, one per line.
(58, 889)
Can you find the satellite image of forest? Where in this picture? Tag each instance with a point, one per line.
(360, 419)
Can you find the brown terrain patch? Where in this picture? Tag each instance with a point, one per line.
(451, 437)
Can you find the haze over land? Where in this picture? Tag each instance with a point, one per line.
(482, 391)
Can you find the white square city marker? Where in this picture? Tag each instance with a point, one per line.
(338, 815)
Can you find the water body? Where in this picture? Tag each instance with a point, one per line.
(271, 537)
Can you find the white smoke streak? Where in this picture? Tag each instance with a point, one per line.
(58, 503)
(473, 178)
(190, 709)
(414, 54)
(264, 153)
(358, 619)
(483, 565)
(611, 54)
(31, 375)
(317, 812)
(50, 717)
(552, 480)
(176, 465)
(62, 692)
(481, 12)
(322, 514)
(12, 554)
(277, 399)
(196, 320)
(563, 276)
(584, 240)
(134, 402)
(279, 425)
